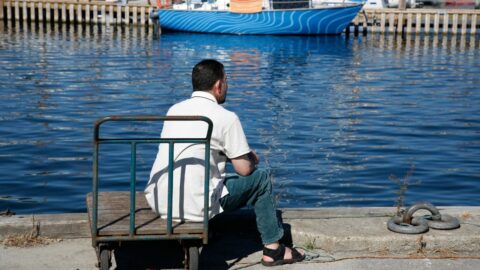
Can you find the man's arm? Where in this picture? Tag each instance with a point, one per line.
(244, 165)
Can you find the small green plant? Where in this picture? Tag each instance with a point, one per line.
(403, 184)
(310, 243)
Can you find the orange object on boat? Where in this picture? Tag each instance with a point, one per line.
(246, 6)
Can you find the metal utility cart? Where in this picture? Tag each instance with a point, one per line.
(125, 216)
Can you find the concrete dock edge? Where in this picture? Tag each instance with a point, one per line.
(334, 230)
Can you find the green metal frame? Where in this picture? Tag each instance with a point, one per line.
(97, 140)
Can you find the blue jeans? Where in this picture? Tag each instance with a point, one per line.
(256, 190)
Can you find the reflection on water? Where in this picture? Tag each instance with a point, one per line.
(332, 117)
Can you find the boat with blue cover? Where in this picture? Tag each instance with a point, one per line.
(259, 17)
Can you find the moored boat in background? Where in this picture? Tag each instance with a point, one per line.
(259, 17)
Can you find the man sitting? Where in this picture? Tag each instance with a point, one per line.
(250, 186)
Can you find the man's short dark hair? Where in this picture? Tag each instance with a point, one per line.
(206, 73)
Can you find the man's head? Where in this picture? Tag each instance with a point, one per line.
(209, 75)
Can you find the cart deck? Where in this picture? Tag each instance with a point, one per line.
(114, 217)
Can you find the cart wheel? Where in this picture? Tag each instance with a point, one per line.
(104, 259)
(193, 258)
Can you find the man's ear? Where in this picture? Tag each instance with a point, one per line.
(217, 87)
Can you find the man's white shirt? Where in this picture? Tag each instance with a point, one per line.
(228, 141)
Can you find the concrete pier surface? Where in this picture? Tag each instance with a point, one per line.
(334, 238)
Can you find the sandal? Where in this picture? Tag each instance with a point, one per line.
(278, 256)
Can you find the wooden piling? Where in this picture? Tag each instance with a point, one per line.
(47, 12)
(383, 20)
(149, 20)
(436, 24)
(409, 23)
(95, 14)
(364, 26)
(1, 9)
(127, 15)
(71, 14)
(64, 12)
(391, 23)
(374, 27)
(427, 24)
(24, 11)
(473, 26)
(40, 11)
(455, 23)
(79, 13)
(55, 12)
(400, 23)
(17, 10)
(135, 13)
(119, 15)
(104, 15)
(110, 13)
(142, 15)
(9, 10)
(445, 23)
(87, 13)
(32, 11)
(418, 23)
(464, 24)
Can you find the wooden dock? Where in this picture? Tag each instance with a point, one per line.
(418, 21)
(409, 21)
(75, 12)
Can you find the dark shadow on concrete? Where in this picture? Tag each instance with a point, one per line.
(149, 255)
(225, 250)
(233, 237)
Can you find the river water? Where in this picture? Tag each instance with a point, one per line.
(338, 121)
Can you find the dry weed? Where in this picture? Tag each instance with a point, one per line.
(29, 239)
(466, 215)
(420, 252)
(385, 251)
(445, 252)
